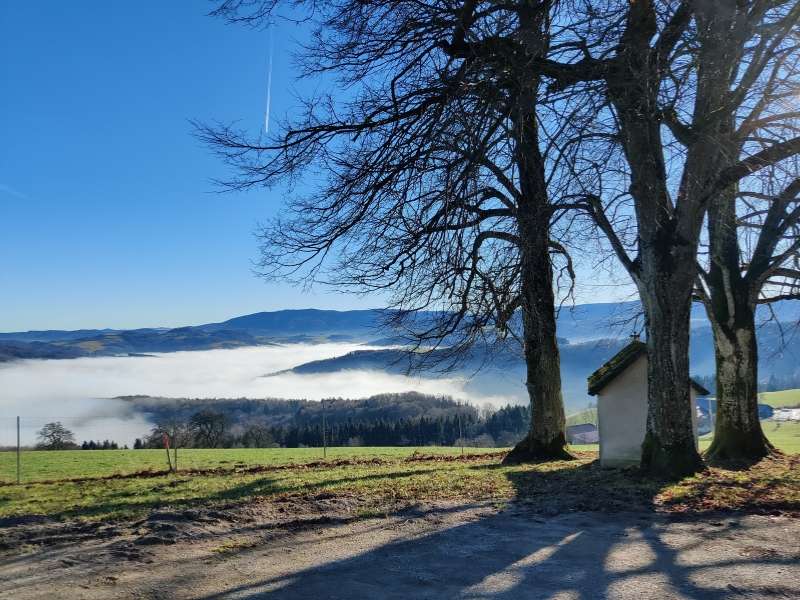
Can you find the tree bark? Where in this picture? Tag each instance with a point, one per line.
(669, 448)
(730, 304)
(738, 435)
(546, 439)
(669, 227)
(664, 272)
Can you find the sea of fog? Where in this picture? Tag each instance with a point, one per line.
(79, 392)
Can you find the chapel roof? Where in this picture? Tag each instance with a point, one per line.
(621, 361)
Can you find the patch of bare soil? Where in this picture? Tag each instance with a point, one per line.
(335, 547)
(168, 527)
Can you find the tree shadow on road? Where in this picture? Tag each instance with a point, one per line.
(510, 555)
(543, 550)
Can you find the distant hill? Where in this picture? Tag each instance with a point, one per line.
(502, 373)
(55, 335)
(120, 343)
(16, 350)
(589, 335)
(490, 372)
(351, 324)
(403, 419)
(259, 329)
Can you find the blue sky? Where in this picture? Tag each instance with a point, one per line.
(107, 214)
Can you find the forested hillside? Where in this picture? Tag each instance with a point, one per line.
(383, 420)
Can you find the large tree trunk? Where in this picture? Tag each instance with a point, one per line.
(669, 448)
(730, 305)
(737, 433)
(664, 270)
(546, 439)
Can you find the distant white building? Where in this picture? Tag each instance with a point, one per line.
(786, 414)
(585, 433)
(621, 389)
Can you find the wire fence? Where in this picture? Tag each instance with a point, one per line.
(10, 469)
(23, 441)
(37, 449)
(28, 431)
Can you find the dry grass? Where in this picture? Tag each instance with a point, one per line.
(769, 486)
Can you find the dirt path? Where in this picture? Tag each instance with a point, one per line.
(435, 551)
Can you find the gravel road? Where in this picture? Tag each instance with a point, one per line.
(431, 551)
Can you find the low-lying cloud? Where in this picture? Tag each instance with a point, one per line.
(79, 392)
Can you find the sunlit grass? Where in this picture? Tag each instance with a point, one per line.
(784, 435)
(396, 476)
(782, 399)
(588, 415)
(372, 478)
(71, 464)
(390, 477)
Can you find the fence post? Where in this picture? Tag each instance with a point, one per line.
(460, 431)
(324, 436)
(18, 454)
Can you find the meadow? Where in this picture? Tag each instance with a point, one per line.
(784, 435)
(37, 466)
(588, 415)
(113, 484)
(72, 464)
(782, 399)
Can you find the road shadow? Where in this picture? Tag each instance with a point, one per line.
(514, 554)
(542, 549)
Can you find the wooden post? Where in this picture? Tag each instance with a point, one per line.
(18, 454)
(324, 436)
(165, 440)
(460, 433)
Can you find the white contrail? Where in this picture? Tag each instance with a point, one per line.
(269, 82)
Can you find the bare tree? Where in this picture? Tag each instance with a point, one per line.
(436, 178)
(54, 436)
(258, 436)
(754, 213)
(753, 259)
(209, 428)
(675, 78)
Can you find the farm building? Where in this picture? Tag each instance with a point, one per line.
(585, 433)
(621, 389)
(786, 414)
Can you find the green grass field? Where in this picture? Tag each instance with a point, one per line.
(74, 464)
(372, 481)
(784, 435)
(219, 476)
(782, 399)
(585, 416)
(71, 464)
(126, 483)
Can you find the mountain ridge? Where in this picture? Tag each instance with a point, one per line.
(590, 334)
